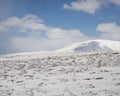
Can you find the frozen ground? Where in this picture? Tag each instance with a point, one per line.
(72, 74)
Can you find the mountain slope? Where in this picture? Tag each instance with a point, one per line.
(69, 75)
(93, 46)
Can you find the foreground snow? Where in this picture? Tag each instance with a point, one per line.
(70, 74)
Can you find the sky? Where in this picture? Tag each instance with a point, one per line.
(41, 25)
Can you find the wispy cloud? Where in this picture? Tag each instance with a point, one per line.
(109, 30)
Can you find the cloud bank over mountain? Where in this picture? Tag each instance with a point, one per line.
(38, 35)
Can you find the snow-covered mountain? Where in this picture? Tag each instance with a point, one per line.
(98, 45)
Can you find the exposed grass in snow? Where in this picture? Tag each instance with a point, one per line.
(71, 74)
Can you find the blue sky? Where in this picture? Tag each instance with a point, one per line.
(37, 25)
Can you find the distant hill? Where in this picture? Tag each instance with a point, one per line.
(98, 45)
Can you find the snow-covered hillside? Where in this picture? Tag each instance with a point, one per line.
(94, 46)
(90, 68)
(74, 74)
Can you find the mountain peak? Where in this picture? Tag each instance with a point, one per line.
(98, 45)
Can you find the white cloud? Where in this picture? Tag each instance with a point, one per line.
(109, 30)
(62, 33)
(56, 38)
(39, 36)
(11, 22)
(90, 6)
(28, 22)
(32, 22)
(37, 44)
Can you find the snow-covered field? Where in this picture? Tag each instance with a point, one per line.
(68, 74)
